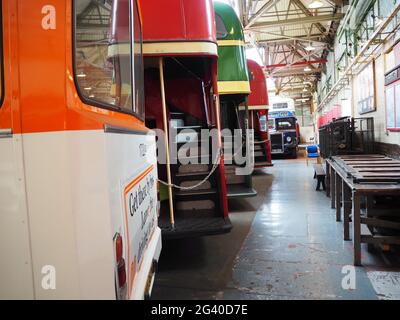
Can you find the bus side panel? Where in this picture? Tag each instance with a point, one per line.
(70, 214)
(16, 280)
(132, 170)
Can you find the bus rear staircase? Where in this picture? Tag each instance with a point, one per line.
(197, 199)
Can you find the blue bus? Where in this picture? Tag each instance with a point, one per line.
(283, 127)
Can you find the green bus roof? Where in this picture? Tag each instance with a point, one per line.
(233, 76)
(231, 22)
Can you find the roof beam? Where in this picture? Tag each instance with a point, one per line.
(306, 20)
(308, 13)
(295, 73)
(260, 12)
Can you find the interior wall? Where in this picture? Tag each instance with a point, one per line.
(381, 133)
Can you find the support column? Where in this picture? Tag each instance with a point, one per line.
(166, 142)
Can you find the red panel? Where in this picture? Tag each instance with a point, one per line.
(258, 85)
(178, 20)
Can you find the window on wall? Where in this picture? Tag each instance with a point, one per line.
(104, 52)
(393, 107)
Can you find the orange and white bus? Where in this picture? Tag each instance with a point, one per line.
(78, 167)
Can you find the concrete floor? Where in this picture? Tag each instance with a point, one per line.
(285, 244)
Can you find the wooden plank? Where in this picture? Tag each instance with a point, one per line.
(360, 166)
(379, 223)
(382, 170)
(363, 158)
(368, 174)
(380, 239)
(377, 181)
(362, 155)
(363, 162)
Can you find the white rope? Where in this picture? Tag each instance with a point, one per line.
(215, 166)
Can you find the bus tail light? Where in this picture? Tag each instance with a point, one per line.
(120, 270)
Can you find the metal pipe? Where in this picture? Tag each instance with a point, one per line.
(166, 142)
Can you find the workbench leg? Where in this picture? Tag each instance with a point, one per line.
(328, 179)
(338, 191)
(346, 191)
(370, 214)
(333, 188)
(357, 229)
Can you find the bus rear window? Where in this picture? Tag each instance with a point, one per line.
(104, 52)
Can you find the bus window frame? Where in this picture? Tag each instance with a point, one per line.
(96, 103)
(2, 86)
(218, 17)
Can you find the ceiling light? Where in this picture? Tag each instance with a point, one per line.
(309, 48)
(316, 4)
(81, 75)
(88, 88)
(307, 69)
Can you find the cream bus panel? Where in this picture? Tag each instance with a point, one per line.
(75, 191)
(15, 263)
(69, 212)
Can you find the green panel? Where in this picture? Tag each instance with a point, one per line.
(232, 64)
(230, 19)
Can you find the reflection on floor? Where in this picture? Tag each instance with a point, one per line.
(285, 244)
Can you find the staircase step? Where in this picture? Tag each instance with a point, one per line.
(206, 159)
(195, 142)
(195, 205)
(192, 168)
(196, 128)
(193, 150)
(193, 174)
(177, 114)
(190, 224)
(263, 163)
(206, 185)
(198, 194)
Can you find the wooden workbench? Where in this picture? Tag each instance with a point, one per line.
(353, 177)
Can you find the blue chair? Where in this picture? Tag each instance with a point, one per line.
(312, 153)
